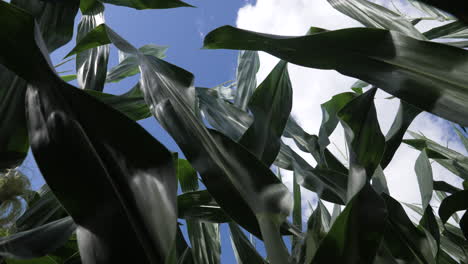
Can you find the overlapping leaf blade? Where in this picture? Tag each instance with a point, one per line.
(56, 25)
(376, 16)
(130, 179)
(356, 235)
(270, 104)
(366, 142)
(244, 251)
(404, 117)
(91, 65)
(400, 65)
(39, 241)
(248, 64)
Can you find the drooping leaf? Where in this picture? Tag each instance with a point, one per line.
(356, 235)
(400, 65)
(330, 119)
(430, 225)
(248, 64)
(271, 105)
(366, 142)
(376, 16)
(404, 117)
(129, 177)
(244, 251)
(39, 241)
(423, 171)
(128, 63)
(91, 65)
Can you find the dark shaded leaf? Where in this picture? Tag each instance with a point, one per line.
(44, 210)
(14, 141)
(445, 187)
(404, 117)
(404, 241)
(464, 224)
(244, 252)
(445, 30)
(454, 203)
(270, 104)
(39, 241)
(200, 205)
(248, 64)
(356, 235)
(55, 19)
(91, 65)
(400, 65)
(366, 142)
(456, 7)
(129, 177)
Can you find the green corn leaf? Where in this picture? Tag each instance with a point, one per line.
(244, 251)
(271, 105)
(251, 196)
(403, 240)
(376, 16)
(131, 103)
(248, 64)
(356, 235)
(123, 172)
(446, 30)
(453, 203)
(91, 65)
(423, 171)
(366, 142)
(128, 63)
(39, 241)
(375, 61)
(403, 119)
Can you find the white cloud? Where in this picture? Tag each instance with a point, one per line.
(313, 87)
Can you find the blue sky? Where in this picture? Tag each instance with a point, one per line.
(182, 29)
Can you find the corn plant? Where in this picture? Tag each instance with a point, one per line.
(111, 194)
